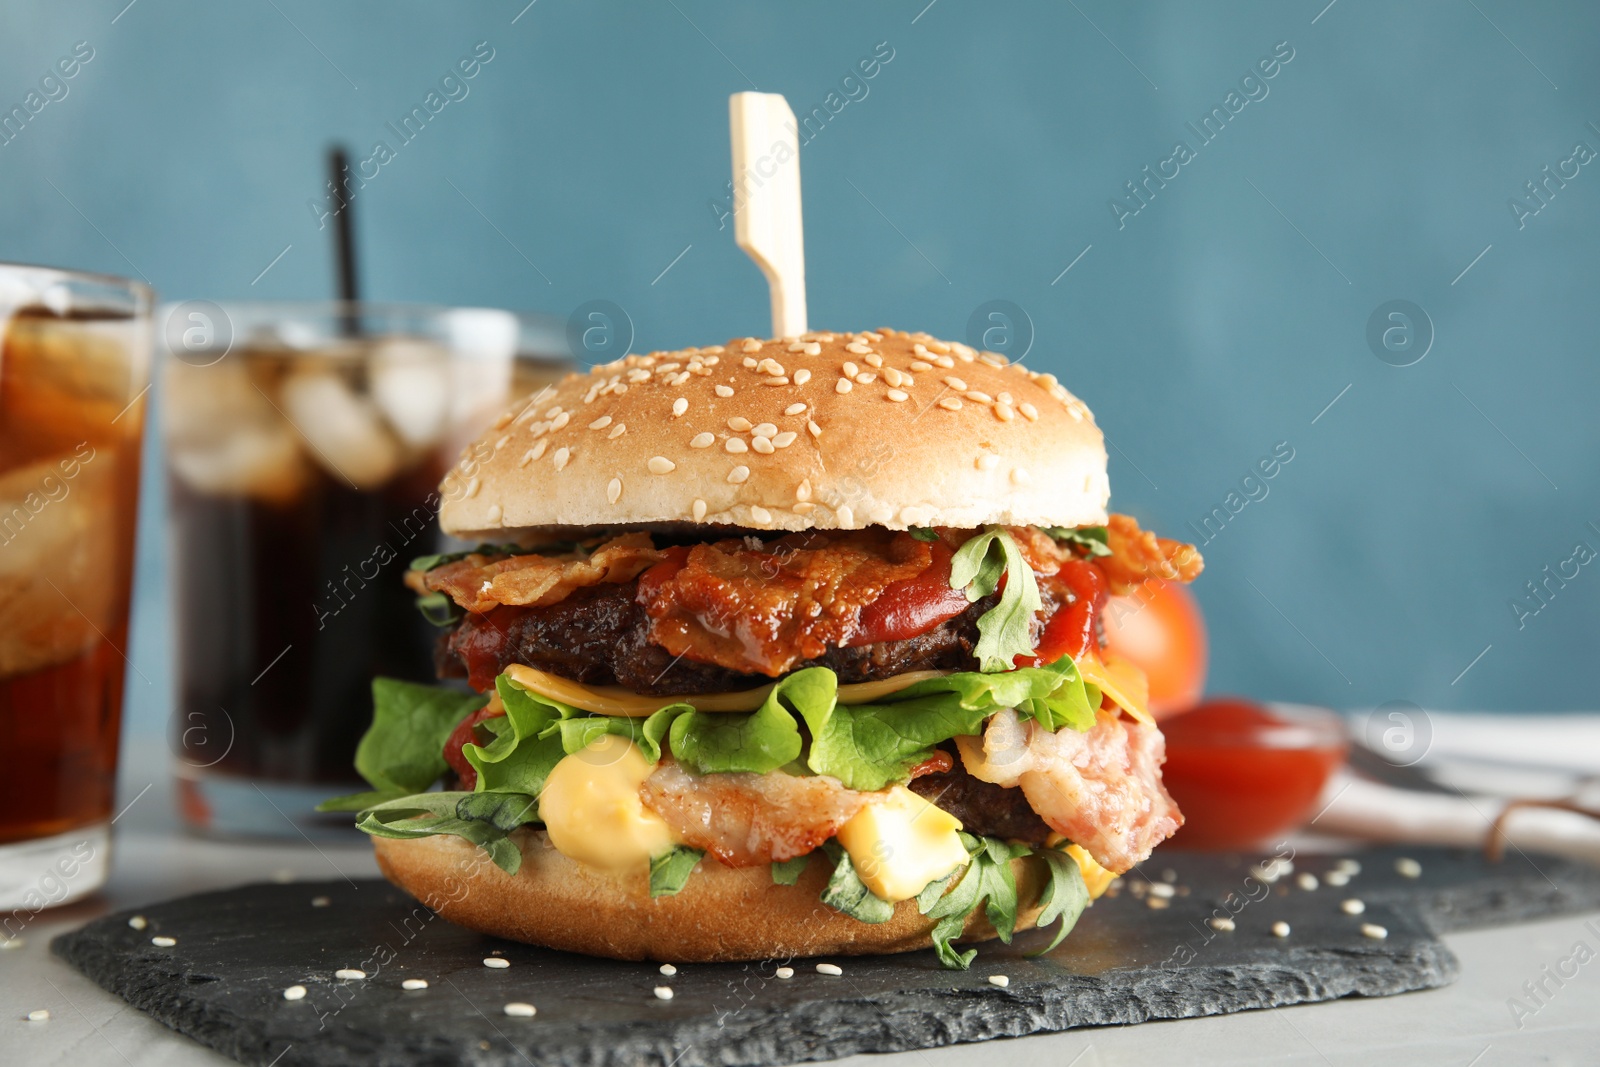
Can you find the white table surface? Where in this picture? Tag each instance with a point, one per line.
(1469, 1022)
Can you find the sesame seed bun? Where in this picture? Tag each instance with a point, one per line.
(721, 914)
(825, 431)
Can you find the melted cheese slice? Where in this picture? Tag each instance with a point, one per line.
(1120, 680)
(901, 843)
(1095, 877)
(614, 700)
(591, 807)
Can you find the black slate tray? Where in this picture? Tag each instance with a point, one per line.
(237, 950)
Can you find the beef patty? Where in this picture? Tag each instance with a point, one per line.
(984, 808)
(599, 635)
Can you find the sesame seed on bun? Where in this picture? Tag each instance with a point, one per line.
(823, 431)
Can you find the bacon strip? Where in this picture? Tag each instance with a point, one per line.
(1138, 555)
(1101, 789)
(749, 819)
(479, 583)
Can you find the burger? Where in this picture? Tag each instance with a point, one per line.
(776, 648)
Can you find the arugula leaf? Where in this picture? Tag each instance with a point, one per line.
(670, 871)
(1092, 539)
(1003, 630)
(845, 892)
(788, 872)
(922, 533)
(401, 752)
(987, 880)
(484, 822)
(1064, 896)
(356, 801)
(439, 559)
(439, 609)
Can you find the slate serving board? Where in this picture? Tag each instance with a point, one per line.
(237, 950)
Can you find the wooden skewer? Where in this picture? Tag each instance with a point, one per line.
(766, 201)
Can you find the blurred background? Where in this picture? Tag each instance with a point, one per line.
(1375, 265)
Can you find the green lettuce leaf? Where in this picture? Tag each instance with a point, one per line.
(1003, 630)
(669, 872)
(758, 741)
(845, 891)
(788, 872)
(401, 752)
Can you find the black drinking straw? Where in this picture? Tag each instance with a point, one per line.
(344, 249)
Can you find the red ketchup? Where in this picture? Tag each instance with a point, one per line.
(1244, 775)
(462, 736)
(1071, 630)
(912, 606)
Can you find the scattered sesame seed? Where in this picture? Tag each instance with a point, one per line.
(1280, 929)
(501, 422)
(1336, 878)
(1349, 866)
(736, 445)
(797, 346)
(1004, 413)
(999, 980)
(1222, 923)
(1353, 906)
(751, 345)
(780, 380)
(857, 347)
(663, 992)
(766, 429)
(920, 365)
(617, 431)
(661, 465)
(519, 1010)
(988, 461)
(560, 421)
(784, 972)
(613, 490)
(473, 487)
(561, 458)
(495, 513)
(813, 349)
(898, 395)
(866, 377)
(874, 360)
(138, 922)
(772, 367)
(668, 969)
(1158, 903)
(1406, 867)
(749, 363)
(1306, 880)
(955, 383)
(295, 992)
(699, 510)
(414, 983)
(538, 450)
(785, 439)
(760, 514)
(739, 424)
(703, 440)
(813, 429)
(978, 396)
(496, 963)
(846, 515)
(794, 409)
(1374, 931)
(950, 403)
(1162, 889)
(163, 942)
(349, 974)
(601, 423)
(679, 406)
(763, 445)
(739, 475)
(844, 385)
(803, 490)
(723, 390)
(946, 362)
(10, 943)
(39, 1015)
(1005, 398)
(1020, 476)
(829, 968)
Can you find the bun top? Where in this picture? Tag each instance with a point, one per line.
(835, 431)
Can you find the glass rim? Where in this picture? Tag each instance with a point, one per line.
(143, 289)
(337, 307)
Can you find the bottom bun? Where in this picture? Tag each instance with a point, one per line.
(721, 914)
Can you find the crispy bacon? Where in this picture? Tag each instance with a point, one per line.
(1138, 555)
(761, 608)
(748, 819)
(479, 583)
(1101, 789)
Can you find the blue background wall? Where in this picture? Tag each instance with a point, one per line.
(1217, 322)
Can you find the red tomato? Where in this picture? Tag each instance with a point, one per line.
(1243, 774)
(461, 736)
(912, 606)
(1159, 628)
